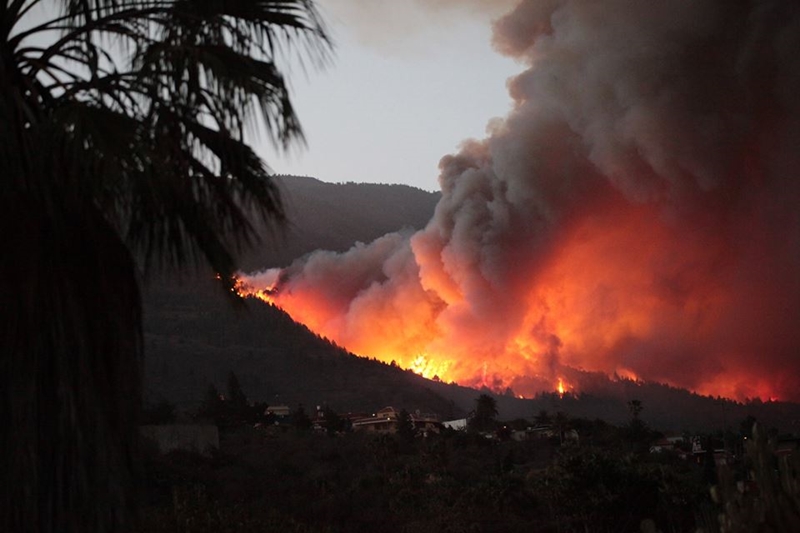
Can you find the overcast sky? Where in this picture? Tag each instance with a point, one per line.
(408, 82)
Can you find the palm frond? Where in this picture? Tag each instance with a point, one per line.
(124, 137)
(206, 67)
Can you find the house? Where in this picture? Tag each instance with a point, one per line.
(701, 451)
(384, 421)
(279, 411)
(387, 420)
(667, 444)
(544, 431)
(425, 423)
(458, 425)
(662, 445)
(566, 436)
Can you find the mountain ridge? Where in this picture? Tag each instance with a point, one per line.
(194, 337)
(331, 216)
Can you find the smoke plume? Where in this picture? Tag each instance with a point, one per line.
(396, 27)
(636, 213)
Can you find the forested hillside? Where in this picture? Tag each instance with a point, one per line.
(333, 216)
(195, 336)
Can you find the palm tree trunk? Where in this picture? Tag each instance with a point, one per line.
(70, 358)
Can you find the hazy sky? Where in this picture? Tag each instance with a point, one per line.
(408, 82)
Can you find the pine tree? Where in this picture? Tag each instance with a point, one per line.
(484, 417)
(236, 398)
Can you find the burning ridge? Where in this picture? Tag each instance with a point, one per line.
(634, 214)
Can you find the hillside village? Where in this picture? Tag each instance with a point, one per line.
(279, 468)
(316, 439)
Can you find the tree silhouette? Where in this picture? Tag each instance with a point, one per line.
(543, 418)
(122, 145)
(237, 399)
(637, 431)
(212, 407)
(561, 422)
(635, 407)
(333, 422)
(405, 427)
(746, 427)
(775, 506)
(300, 419)
(484, 417)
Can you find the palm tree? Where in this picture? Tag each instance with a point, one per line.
(122, 144)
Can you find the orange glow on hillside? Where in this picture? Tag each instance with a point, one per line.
(618, 278)
(630, 222)
(244, 289)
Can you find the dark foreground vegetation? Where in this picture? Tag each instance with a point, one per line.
(290, 477)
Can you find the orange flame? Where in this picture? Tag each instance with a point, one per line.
(245, 289)
(622, 287)
(632, 222)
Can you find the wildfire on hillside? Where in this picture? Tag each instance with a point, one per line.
(244, 289)
(635, 214)
(560, 387)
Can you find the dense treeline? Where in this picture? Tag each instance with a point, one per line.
(304, 481)
(288, 477)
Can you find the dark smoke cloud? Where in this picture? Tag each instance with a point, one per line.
(635, 211)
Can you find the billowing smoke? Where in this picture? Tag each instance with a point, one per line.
(392, 26)
(636, 212)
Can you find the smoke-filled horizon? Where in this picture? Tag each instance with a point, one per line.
(394, 28)
(635, 213)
